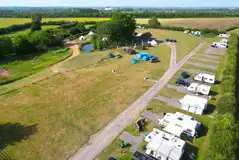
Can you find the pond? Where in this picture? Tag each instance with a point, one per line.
(87, 48)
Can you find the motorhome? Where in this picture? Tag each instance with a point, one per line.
(180, 124)
(165, 147)
(207, 78)
(199, 88)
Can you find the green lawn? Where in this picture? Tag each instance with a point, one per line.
(63, 110)
(19, 67)
(186, 43)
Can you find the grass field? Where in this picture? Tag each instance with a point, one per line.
(220, 23)
(200, 144)
(30, 64)
(186, 43)
(58, 114)
(28, 30)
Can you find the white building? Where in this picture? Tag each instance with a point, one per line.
(153, 43)
(199, 88)
(165, 146)
(197, 33)
(203, 77)
(193, 104)
(81, 38)
(179, 123)
(186, 31)
(224, 35)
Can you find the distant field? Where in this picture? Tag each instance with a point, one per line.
(4, 22)
(28, 30)
(220, 23)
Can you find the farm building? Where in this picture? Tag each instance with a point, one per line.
(81, 38)
(179, 123)
(193, 104)
(165, 146)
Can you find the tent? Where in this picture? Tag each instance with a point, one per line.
(145, 58)
(81, 38)
(153, 42)
(133, 61)
(140, 55)
(91, 33)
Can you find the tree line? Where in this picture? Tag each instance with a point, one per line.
(136, 14)
(224, 139)
(37, 40)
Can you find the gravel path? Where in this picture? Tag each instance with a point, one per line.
(75, 52)
(153, 117)
(209, 56)
(106, 135)
(197, 64)
(170, 101)
(134, 141)
(195, 71)
(205, 60)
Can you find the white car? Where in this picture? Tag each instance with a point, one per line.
(207, 78)
(199, 88)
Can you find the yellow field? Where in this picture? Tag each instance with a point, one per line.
(4, 22)
(220, 23)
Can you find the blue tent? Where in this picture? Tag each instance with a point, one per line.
(145, 58)
(140, 55)
(133, 61)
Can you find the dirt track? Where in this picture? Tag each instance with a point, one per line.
(75, 52)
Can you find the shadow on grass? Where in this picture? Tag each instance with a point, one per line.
(213, 93)
(190, 150)
(11, 133)
(203, 131)
(210, 109)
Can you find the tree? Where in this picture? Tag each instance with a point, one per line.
(119, 29)
(36, 22)
(6, 46)
(154, 23)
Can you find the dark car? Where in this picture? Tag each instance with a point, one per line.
(173, 40)
(167, 40)
(112, 158)
(184, 75)
(153, 60)
(182, 82)
(141, 156)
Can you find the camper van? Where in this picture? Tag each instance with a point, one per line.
(207, 78)
(165, 146)
(199, 88)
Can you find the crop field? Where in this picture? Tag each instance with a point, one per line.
(220, 23)
(5, 22)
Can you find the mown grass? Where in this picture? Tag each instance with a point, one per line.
(70, 106)
(19, 67)
(186, 43)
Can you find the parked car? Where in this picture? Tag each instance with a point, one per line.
(173, 40)
(153, 60)
(184, 75)
(182, 82)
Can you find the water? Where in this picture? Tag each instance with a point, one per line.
(87, 48)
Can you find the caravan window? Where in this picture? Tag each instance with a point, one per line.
(152, 153)
(211, 79)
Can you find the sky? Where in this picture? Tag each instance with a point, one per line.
(133, 3)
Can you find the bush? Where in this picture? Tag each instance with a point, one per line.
(223, 142)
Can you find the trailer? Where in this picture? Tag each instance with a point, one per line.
(207, 78)
(199, 88)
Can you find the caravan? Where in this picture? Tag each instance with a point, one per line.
(165, 146)
(180, 124)
(193, 104)
(207, 78)
(199, 88)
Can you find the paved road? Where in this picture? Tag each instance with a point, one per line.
(106, 135)
(173, 57)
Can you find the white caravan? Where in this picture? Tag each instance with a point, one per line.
(207, 78)
(199, 88)
(165, 146)
(193, 104)
(224, 35)
(179, 123)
